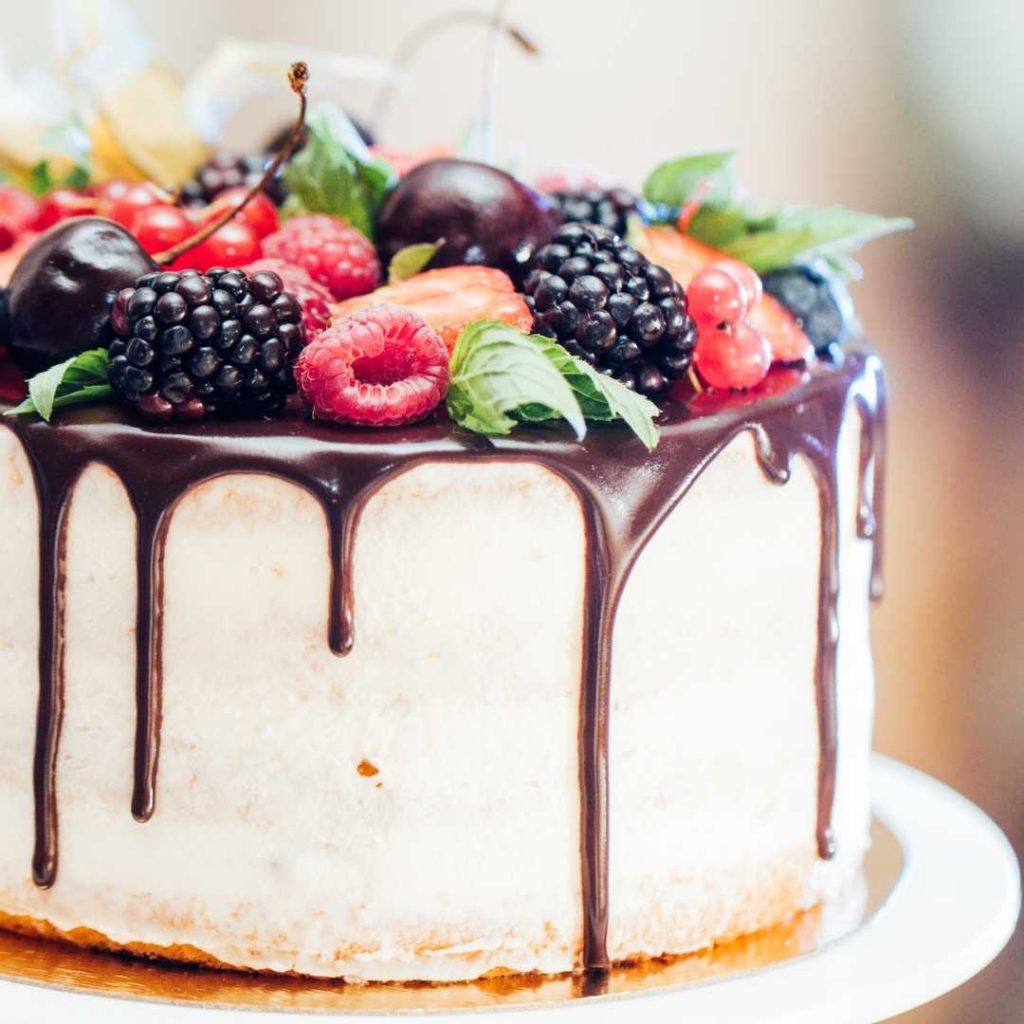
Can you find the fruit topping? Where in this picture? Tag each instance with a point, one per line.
(190, 345)
(611, 208)
(127, 207)
(160, 227)
(788, 342)
(485, 216)
(734, 356)
(18, 213)
(452, 297)
(228, 170)
(606, 303)
(258, 214)
(60, 291)
(331, 251)
(818, 300)
(312, 296)
(63, 204)
(381, 366)
(231, 245)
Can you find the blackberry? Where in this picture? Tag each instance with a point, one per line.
(611, 208)
(819, 300)
(608, 207)
(188, 345)
(605, 302)
(226, 170)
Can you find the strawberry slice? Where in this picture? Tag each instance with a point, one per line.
(684, 257)
(449, 299)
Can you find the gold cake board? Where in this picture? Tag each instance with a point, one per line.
(58, 965)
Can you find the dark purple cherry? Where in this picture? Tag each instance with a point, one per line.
(62, 289)
(484, 215)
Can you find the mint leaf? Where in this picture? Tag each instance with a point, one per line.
(777, 238)
(79, 380)
(675, 181)
(408, 262)
(40, 180)
(501, 376)
(335, 173)
(497, 370)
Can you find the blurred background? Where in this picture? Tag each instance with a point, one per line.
(914, 108)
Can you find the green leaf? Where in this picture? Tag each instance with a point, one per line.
(497, 370)
(501, 377)
(80, 380)
(767, 240)
(335, 173)
(408, 262)
(78, 177)
(675, 181)
(40, 180)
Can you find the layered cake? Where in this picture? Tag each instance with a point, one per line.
(510, 615)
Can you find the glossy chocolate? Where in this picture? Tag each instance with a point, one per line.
(625, 495)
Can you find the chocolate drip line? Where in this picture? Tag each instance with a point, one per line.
(624, 494)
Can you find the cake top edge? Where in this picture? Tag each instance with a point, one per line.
(328, 283)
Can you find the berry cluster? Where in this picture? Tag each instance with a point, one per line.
(330, 250)
(380, 367)
(730, 352)
(605, 302)
(228, 170)
(189, 345)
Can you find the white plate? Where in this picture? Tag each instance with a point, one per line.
(950, 912)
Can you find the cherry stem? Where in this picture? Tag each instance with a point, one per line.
(298, 78)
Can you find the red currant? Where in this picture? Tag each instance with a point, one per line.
(160, 227)
(109, 192)
(747, 278)
(735, 357)
(259, 214)
(233, 245)
(62, 204)
(18, 212)
(716, 297)
(136, 199)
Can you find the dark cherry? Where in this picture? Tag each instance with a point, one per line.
(485, 216)
(61, 290)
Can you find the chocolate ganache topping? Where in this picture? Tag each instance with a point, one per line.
(625, 495)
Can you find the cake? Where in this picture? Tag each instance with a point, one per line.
(374, 683)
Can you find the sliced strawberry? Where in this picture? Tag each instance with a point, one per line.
(450, 298)
(788, 342)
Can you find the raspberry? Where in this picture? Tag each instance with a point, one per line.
(381, 367)
(313, 297)
(333, 252)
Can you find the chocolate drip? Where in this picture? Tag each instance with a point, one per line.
(624, 494)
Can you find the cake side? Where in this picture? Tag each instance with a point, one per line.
(412, 811)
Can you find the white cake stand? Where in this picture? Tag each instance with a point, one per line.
(951, 910)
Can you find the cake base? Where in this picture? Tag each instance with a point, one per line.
(89, 961)
(937, 842)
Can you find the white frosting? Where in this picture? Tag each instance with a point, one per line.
(270, 849)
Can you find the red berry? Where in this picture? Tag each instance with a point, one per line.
(133, 201)
(735, 357)
(332, 251)
(312, 296)
(259, 214)
(63, 204)
(714, 296)
(109, 192)
(746, 277)
(160, 227)
(380, 367)
(18, 212)
(233, 245)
